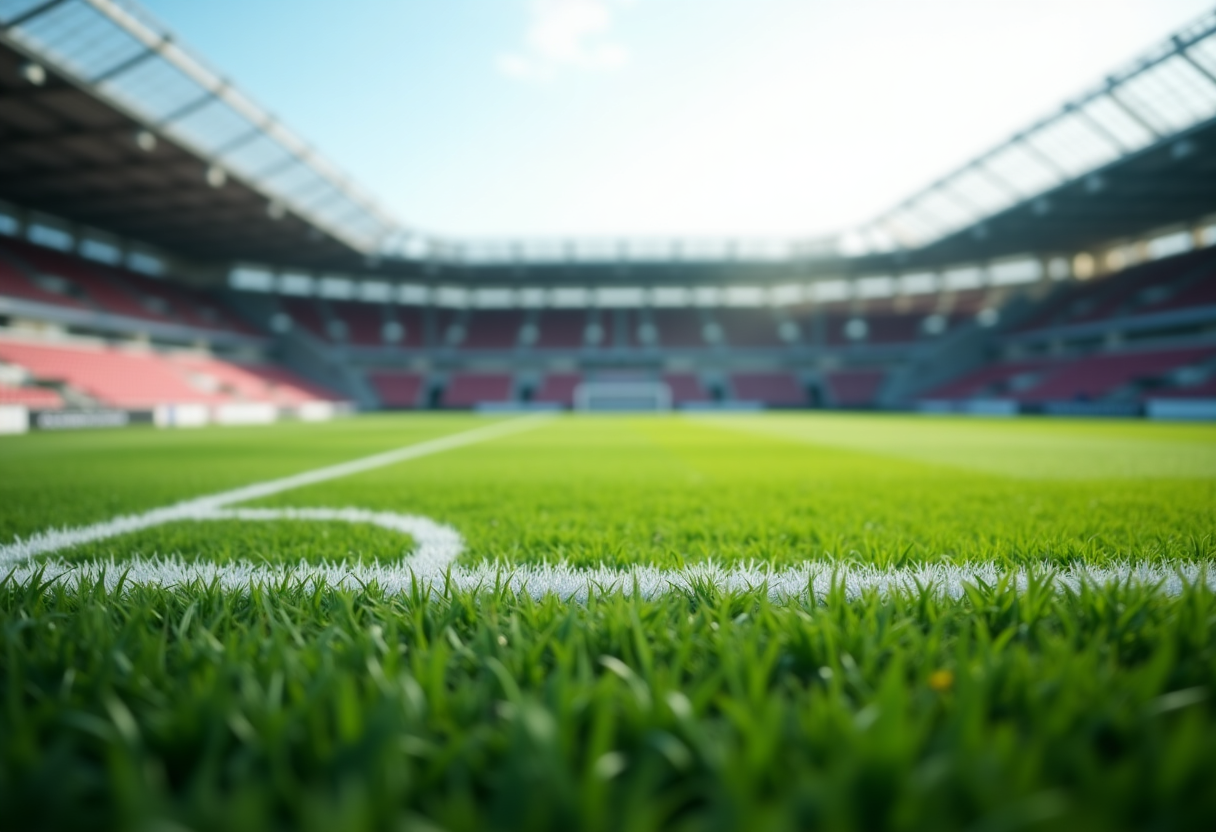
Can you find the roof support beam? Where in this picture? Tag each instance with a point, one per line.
(33, 13)
(135, 60)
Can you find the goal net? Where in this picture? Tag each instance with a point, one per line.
(622, 396)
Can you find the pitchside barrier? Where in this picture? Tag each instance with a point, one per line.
(622, 397)
(1188, 409)
(20, 419)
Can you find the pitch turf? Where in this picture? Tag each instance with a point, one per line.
(297, 706)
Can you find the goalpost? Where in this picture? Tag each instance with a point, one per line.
(622, 396)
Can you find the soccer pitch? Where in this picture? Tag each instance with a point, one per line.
(726, 622)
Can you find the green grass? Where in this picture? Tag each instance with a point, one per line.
(296, 707)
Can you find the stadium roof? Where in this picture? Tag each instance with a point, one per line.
(1158, 100)
(108, 121)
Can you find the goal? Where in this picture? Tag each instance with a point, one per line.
(622, 396)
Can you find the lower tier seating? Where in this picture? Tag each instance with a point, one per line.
(472, 389)
(35, 398)
(773, 389)
(144, 379)
(855, 388)
(558, 388)
(396, 389)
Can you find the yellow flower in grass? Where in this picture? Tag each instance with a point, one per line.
(941, 680)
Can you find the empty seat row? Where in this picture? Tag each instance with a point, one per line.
(368, 325)
(34, 273)
(144, 379)
(1133, 373)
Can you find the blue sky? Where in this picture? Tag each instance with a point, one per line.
(506, 118)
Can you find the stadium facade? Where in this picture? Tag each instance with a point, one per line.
(170, 251)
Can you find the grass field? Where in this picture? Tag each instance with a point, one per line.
(286, 702)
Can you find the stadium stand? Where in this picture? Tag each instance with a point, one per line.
(685, 388)
(749, 327)
(561, 329)
(305, 313)
(118, 378)
(994, 309)
(1099, 376)
(44, 275)
(410, 321)
(558, 388)
(471, 389)
(855, 388)
(397, 390)
(991, 381)
(141, 379)
(493, 329)
(363, 323)
(35, 398)
(1148, 287)
(679, 328)
(774, 389)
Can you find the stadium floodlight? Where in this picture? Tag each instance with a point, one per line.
(34, 73)
(216, 176)
(145, 140)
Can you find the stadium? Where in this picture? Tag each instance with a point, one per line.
(310, 518)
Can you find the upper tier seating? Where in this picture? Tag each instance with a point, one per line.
(1097, 376)
(103, 290)
(773, 389)
(1127, 292)
(749, 327)
(14, 284)
(493, 329)
(396, 389)
(558, 388)
(855, 388)
(364, 322)
(307, 314)
(679, 328)
(91, 285)
(412, 321)
(561, 329)
(685, 388)
(35, 398)
(471, 389)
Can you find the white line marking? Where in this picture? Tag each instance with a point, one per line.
(53, 540)
(432, 567)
